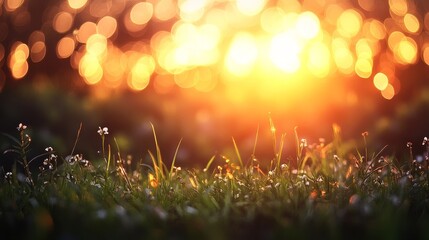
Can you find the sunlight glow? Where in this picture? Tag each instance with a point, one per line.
(319, 60)
(12, 5)
(65, 47)
(141, 13)
(107, 26)
(262, 46)
(141, 73)
(77, 4)
(349, 23)
(411, 23)
(307, 25)
(250, 7)
(381, 81)
(389, 92)
(18, 60)
(284, 52)
(62, 22)
(242, 54)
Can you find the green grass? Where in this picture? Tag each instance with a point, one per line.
(326, 191)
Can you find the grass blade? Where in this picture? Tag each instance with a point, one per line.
(237, 152)
(160, 163)
(209, 163)
(77, 138)
(175, 156)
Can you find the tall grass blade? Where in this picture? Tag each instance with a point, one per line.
(160, 163)
(175, 157)
(279, 153)
(237, 152)
(155, 166)
(109, 158)
(273, 132)
(256, 142)
(121, 166)
(77, 139)
(298, 148)
(209, 163)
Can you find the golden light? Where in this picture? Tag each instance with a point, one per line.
(398, 7)
(319, 60)
(307, 25)
(343, 57)
(163, 84)
(242, 54)
(96, 44)
(389, 92)
(272, 20)
(367, 5)
(18, 64)
(284, 52)
(164, 10)
(77, 4)
(349, 23)
(259, 45)
(195, 46)
(141, 73)
(38, 51)
(86, 30)
(114, 67)
(192, 10)
(65, 47)
(12, 5)
(406, 51)
(425, 55)
(107, 26)
(90, 69)
(411, 23)
(62, 22)
(141, 13)
(381, 81)
(363, 67)
(250, 7)
(377, 29)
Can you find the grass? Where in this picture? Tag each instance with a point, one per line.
(326, 191)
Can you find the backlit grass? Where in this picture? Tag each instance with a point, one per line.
(326, 190)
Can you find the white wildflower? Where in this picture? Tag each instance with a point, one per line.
(21, 127)
(103, 131)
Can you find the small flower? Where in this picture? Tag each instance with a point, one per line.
(8, 176)
(21, 127)
(425, 140)
(103, 131)
(365, 134)
(84, 162)
(49, 149)
(284, 167)
(303, 143)
(409, 144)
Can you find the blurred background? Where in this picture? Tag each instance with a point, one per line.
(210, 70)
